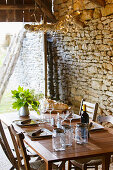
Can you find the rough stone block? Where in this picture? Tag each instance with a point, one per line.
(99, 37)
(111, 25)
(107, 10)
(87, 15)
(107, 82)
(97, 85)
(100, 26)
(108, 66)
(109, 93)
(97, 13)
(109, 1)
(104, 87)
(111, 88)
(92, 70)
(78, 5)
(103, 47)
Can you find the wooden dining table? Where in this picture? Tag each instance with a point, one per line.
(100, 143)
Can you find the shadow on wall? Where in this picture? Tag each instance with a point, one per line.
(52, 70)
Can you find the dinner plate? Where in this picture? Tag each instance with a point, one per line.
(75, 117)
(96, 127)
(26, 123)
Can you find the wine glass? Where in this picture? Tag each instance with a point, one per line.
(62, 118)
(71, 115)
(41, 110)
(43, 107)
(51, 108)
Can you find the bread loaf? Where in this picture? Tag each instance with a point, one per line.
(58, 105)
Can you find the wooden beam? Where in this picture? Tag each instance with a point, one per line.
(44, 8)
(17, 7)
(99, 2)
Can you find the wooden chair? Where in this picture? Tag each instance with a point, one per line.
(18, 141)
(90, 108)
(106, 119)
(6, 148)
(94, 162)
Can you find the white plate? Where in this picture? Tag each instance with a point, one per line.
(96, 127)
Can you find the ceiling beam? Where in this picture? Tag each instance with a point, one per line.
(99, 2)
(17, 7)
(44, 8)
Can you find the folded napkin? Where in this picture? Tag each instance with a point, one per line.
(67, 115)
(37, 132)
(25, 121)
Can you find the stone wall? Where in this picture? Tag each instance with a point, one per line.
(85, 57)
(29, 70)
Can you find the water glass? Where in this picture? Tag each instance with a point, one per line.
(68, 130)
(58, 139)
(81, 133)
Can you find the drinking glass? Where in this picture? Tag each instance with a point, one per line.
(62, 117)
(51, 108)
(71, 115)
(68, 130)
(81, 133)
(58, 139)
(43, 107)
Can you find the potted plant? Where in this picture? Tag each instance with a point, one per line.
(23, 99)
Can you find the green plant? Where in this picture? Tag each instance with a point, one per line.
(24, 98)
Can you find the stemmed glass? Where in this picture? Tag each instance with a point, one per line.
(43, 107)
(71, 115)
(62, 118)
(51, 108)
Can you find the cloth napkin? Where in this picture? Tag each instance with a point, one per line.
(37, 132)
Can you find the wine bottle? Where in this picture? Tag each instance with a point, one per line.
(84, 116)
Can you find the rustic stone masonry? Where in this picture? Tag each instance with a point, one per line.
(85, 57)
(29, 70)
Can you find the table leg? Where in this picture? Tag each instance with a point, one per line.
(106, 162)
(49, 166)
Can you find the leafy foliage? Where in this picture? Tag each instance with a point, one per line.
(24, 98)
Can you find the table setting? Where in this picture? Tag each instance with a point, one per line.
(49, 122)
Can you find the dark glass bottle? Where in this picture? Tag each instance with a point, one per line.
(84, 116)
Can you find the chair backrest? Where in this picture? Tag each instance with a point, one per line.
(90, 108)
(19, 146)
(6, 148)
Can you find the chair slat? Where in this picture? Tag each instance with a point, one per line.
(90, 116)
(90, 110)
(89, 104)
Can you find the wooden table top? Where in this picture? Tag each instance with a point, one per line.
(100, 143)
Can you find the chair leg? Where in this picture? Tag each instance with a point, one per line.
(84, 167)
(12, 168)
(96, 167)
(69, 165)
